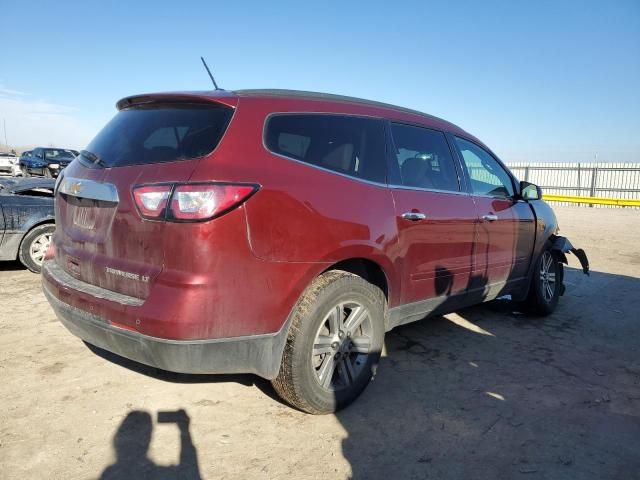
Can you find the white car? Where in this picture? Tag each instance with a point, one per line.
(9, 164)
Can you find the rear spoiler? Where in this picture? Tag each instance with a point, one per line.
(219, 96)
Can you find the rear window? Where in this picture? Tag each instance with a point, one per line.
(353, 146)
(159, 133)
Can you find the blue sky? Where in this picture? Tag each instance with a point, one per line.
(543, 80)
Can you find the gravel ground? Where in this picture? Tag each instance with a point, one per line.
(483, 393)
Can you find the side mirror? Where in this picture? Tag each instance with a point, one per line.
(529, 191)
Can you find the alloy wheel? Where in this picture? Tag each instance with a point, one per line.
(342, 345)
(39, 247)
(547, 276)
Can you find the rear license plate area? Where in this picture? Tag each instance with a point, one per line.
(85, 214)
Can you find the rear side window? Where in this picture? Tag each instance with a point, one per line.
(424, 158)
(352, 146)
(160, 133)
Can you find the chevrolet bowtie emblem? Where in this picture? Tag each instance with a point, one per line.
(75, 188)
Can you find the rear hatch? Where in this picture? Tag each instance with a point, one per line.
(101, 238)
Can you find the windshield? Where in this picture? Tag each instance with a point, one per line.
(158, 133)
(59, 154)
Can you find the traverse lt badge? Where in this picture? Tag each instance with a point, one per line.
(129, 275)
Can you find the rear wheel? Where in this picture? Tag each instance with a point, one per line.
(34, 246)
(334, 343)
(546, 285)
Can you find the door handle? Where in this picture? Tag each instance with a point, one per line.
(490, 217)
(413, 216)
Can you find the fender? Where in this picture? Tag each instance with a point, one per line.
(546, 237)
(546, 229)
(560, 246)
(12, 240)
(34, 221)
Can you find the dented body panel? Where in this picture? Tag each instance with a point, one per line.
(561, 246)
(546, 235)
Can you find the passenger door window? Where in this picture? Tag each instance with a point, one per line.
(424, 159)
(486, 175)
(353, 146)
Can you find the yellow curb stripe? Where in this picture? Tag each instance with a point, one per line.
(620, 202)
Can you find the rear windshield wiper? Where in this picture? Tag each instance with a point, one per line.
(95, 159)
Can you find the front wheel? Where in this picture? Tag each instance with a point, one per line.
(546, 285)
(334, 343)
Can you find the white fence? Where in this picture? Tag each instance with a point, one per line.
(607, 180)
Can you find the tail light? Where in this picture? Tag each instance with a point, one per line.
(191, 202)
(204, 201)
(151, 200)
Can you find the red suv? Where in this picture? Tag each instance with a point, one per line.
(283, 233)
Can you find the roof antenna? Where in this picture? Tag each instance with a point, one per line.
(210, 75)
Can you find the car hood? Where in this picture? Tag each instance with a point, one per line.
(17, 185)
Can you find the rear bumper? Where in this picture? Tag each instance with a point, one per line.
(258, 354)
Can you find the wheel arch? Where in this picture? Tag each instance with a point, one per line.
(371, 270)
(36, 221)
(366, 268)
(44, 221)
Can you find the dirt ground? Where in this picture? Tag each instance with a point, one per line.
(484, 393)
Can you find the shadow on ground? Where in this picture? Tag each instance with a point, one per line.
(488, 393)
(131, 445)
(12, 265)
(484, 393)
(243, 379)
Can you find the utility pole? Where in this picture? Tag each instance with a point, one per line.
(6, 144)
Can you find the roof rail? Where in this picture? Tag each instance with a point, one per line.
(275, 92)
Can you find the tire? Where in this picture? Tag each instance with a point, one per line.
(34, 246)
(330, 376)
(546, 285)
